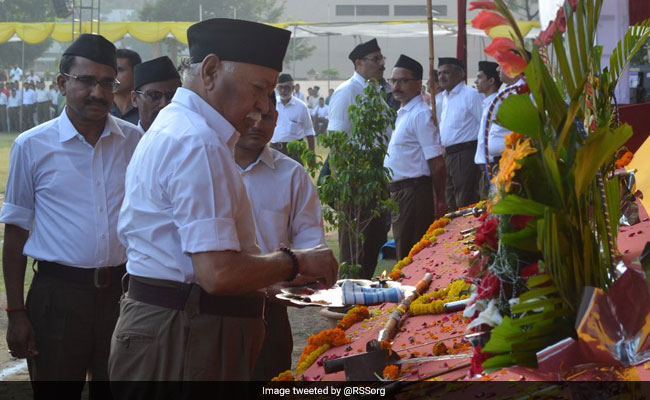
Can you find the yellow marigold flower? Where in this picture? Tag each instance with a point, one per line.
(512, 139)
(509, 163)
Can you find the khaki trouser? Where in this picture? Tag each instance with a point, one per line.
(152, 343)
(275, 356)
(462, 178)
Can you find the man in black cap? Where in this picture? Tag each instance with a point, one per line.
(194, 306)
(294, 121)
(415, 156)
(460, 116)
(122, 107)
(155, 84)
(65, 188)
(368, 64)
(488, 84)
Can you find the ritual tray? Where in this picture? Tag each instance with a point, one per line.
(310, 295)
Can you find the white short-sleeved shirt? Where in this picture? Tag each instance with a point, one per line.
(13, 101)
(290, 214)
(414, 141)
(183, 192)
(344, 96)
(320, 112)
(461, 115)
(479, 157)
(42, 95)
(68, 193)
(3, 99)
(497, 135)
(294, 122)
(29, 97)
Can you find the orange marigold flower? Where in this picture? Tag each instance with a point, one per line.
(512, 139)
(284, 376)
(509, 163)
(395, 275)
(357, 314)
(487, 20)
(334, 337)
(625, 159)
(440, 349)
(391, 372)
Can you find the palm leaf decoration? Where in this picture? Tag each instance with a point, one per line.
(564, 184)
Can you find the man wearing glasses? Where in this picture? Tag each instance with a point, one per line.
(64, 192)
(155, 84)
(415, 157)
(368, 64)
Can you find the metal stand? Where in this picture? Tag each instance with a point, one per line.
(85, 10)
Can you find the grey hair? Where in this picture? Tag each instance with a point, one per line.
(192, 69)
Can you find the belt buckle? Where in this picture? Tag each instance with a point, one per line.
(107, 277)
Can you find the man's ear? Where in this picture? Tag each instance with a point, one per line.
(209, 70)
(134, 99)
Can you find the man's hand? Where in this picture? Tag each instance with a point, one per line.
(317, 263)
(441, 208)
(20, 336)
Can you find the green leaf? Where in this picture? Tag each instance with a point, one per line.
(545, 291)
(498, 362)
(537, 280)
(626, 48)
(599, 147)
(524, 239)
(546, 315)
(519, 114)
(515, 205)
(531, 305)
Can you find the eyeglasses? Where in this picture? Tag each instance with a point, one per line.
(155, 95)
(376, 59)
(90, 81)
(401, 81)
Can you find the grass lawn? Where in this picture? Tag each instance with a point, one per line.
(6, 139)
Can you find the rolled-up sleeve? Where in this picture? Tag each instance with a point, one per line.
(18, 207)
(203, 207)
(428, 135)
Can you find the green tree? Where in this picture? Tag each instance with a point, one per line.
(358, 179)
(171, 10)
(527, 9)
(330, 73)
(298, 49)
(24, 11)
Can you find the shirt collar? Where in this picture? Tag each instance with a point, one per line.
(417, 99)
(456, 89)
(265, 157)
(360, 79)
(67, 131)
(224, 129)
(291, 101)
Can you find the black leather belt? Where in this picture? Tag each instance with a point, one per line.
(102, 277)
(176, 297)
(405, 183)
(455, 148)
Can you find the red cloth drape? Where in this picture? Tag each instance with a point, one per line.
(461, 41)
(639, 10)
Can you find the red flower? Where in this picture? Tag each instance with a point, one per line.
(488, 287)
(519, 221)
(511, 63)
(484, 5)
(573, 4)
(499, 45)
(546, 37)
(487, 20)
(477, 360)
(560, 20)
(532, 269)
(487, 234)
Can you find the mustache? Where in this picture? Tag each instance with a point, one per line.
(93, 100)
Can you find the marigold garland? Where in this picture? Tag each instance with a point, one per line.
(284, 376)
(356, 314)
(311, 358)
(433, 302)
